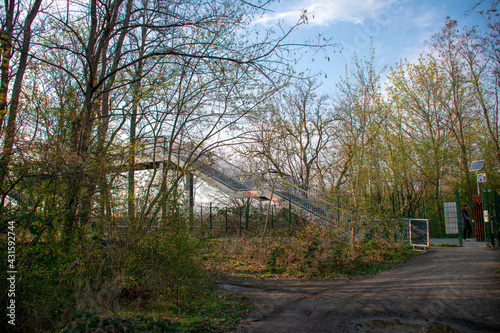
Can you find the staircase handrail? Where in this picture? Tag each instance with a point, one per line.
(288, 188)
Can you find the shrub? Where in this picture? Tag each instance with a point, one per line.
(311, 252)
(99, 284)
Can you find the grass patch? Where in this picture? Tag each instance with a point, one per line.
(448, 245)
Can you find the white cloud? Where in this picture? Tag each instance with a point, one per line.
(426, 19)
(327, 12)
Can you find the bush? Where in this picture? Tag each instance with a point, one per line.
(311, 252)
(97, 284)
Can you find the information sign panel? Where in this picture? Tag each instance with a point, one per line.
(450, 217)
(481, 178)
(419, 232)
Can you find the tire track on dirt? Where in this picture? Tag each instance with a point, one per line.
(446, 289)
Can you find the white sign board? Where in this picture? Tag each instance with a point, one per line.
(450, 217)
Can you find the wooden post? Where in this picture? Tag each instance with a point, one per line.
(478, 219)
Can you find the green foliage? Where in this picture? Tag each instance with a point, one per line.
(272, 266)
(87, 321)
(45, 287)
(154, 284)
(310, 255)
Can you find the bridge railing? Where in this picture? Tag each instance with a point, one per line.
(291, 190)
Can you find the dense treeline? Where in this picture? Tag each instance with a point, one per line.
(86, 85)
(398, 141)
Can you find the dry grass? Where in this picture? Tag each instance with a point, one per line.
(310, 253)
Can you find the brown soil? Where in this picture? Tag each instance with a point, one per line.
(449, 289)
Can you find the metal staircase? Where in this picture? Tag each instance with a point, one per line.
(307, 201)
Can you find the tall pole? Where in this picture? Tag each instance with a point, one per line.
(241, 214)
(488, 223)
(477, 182)
(190, 184)
(247, 214)
(459, 219)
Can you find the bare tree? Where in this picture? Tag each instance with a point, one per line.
(108, 39)
(458, 99)
(359, 114)
(15, 39)
(480, 52)
(293, 131)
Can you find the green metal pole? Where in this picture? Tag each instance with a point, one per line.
(191, 199)
(201, 220)
(487, 219)
(290, 211)
(241, 214)
(495, 215)
(246, 215)
(272, 217)
(210, 218)
(393, 206)
(226, 220)
(459, 219)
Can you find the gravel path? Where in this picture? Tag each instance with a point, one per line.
(449, 289)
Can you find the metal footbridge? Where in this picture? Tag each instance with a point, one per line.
(313, 205)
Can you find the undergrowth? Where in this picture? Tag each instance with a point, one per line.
(310, 253)
(151, 283)
(162, 280)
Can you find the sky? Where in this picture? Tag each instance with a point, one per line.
(398, 29)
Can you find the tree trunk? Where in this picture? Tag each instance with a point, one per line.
(10, 129)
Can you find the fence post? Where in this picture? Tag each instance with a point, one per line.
(290, 211)
(210, 219)
(487, 220)
(241, 214)
(495, 215)
(226, 221)
(190, 182)
(246, 215)
(272, 217)
(459, 219)
(201, 221)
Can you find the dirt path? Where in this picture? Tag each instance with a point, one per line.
(442, 290)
